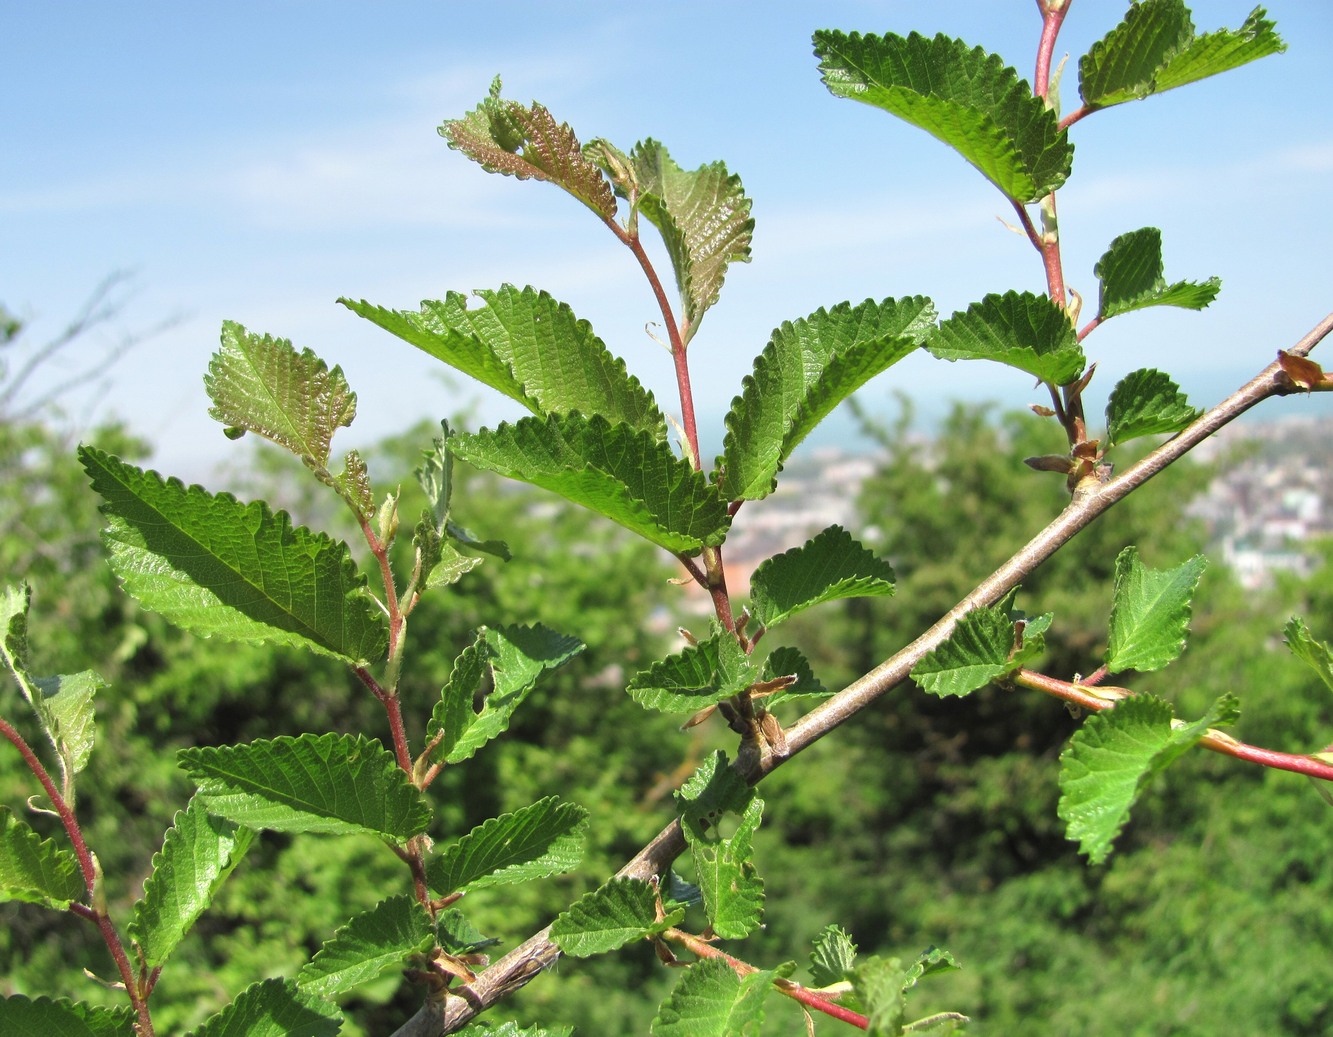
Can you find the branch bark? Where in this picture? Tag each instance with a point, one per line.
(538, 953)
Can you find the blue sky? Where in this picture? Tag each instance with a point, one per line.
(254, 161)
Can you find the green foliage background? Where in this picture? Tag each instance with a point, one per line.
(930, 821)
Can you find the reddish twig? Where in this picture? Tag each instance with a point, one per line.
(809, 998)
(1107, 697)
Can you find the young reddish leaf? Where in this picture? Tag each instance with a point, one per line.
(527, 143)
(1155, 49)
(1017, 329)
(1150, 612)
(1302, 371)
(967, 98)
(263, 385)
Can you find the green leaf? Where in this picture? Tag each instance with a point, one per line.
(63, 704)
(34, 869)
(700, 675)
(353, 484)
(826, 568)
(459, 936)
(1150, 612)
(273, 1008)
(511, 1029)
(1114, 755)
(1131, 276)
(527, 143)
(436, 477)
(808, 367)
(1155, 48)
(325, 783)
(198, 853)
(789, 662)
(834, 956)
(963, 96)
(528, 346)
(704, 218)
(20, 1015)
(620, 912)
(977, 652)
(623, 474)
(1146, 403)
(263, 385)
(1315, 654)
(710, 1000)
(370, 943)
(545, 838)
(516, 656)
(1017, 329)
(733, 893)
(215, 566)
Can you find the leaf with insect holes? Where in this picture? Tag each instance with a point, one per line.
(263, 385)
(626, 475)
(528, 346)
(527, 143)
(828, 567)
(366, 946)
(273, 1008)
(961, 95)
(34, 869)
(808, 367)
(1113, 757)
(1131, 276)
(733, 893)
(620, 912)
(199, 852)
(217, 567)
(1146, 403)
(711, 1000)
(1017, 329)
(1315, 654)
(1150, 612)
(704, 218)
(698, 676)
(1155, 48)
(62, 1018)
(544, 838)
(311, 783)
